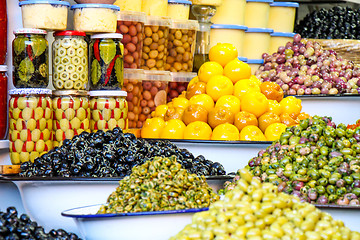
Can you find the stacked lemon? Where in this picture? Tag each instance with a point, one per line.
(225, 102)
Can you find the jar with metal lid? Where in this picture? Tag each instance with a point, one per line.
(70, 60)
(30, 123)
(30, 58)
(71, 114)
(3, 100)
(108, 110)
(107, 61)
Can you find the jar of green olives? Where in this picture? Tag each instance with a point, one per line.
(109, 109)
(30, 58)
(106, 61)
(70, 60)
(71, 114)
(30, 123)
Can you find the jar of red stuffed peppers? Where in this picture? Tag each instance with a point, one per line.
(3, 100)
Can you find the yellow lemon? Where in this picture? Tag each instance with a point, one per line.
(255, 103)
(252, 133)
(160, 111)
(219, 86)
(198, 130)
(237, 70)
(254, 79)
(180, 102)
(225, 131)
(209, 69)
(244, 86)
(223, 53)
(152, 127)
(204, 100)
(274, 131)
(275, 107)
(229, 101)
(174, 129)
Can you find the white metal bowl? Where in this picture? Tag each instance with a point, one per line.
(160, 225)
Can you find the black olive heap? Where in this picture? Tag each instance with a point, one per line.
(335, 23)
(111, 154)
(303, 67)
(16, 227)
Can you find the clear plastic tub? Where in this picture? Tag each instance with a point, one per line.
(282, 16)
(3, 100)
(129, 5)
(257, 13)
(156, 8)
(279, 39)
(95, 17)
(230, 12)
(181, 45)
(178, 9)
(44, 14)
(108, 110)
(233, 34)
(131, 26)
(256, 42)
(156, 34)
(254, 64)
(178, 84)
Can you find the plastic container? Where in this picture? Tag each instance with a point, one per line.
(243, 59)
(133, 86)
(108, 110)
(278, 39)
(3, 101)
(230, 12)
(233, 34)
(155, 90)
(156, 34)
(179, 83)
(256, 42)
(131, 26)
(282, 16)
(30, 58)
(156, 8)
(95, 17)
(254, 64)
(3, 32)
(178, 9)
(106, 59)
(44, 14)
(70, 61)
(257, 13)
(71, 114)
(30, 124)
(129, 5)
(181, 45)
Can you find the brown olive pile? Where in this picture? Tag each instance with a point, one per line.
(255, 210)
(160, 184)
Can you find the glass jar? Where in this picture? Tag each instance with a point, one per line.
(30, 124)
(179, 83)
(30, 59)
(131, 26)
(106, 59)
(3, 32)
(71, 114)
(109, 109)
(70, 60)
(3, 100)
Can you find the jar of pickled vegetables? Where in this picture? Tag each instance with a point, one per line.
(70, 60)
(30, 58)
(30, 123)
(106, 59)
(71, 114)
(109, 109)
(3, 100)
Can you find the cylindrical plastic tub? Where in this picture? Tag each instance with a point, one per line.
(70, 60)
(215, 3)
(44, 14)
(181, 46)
(108, 110)
(131, 26)
(254, 64)
(179, 9)
(95, 17)
(256, 42)
(257, 13)
(279, 39)
(155, 7)
(3, 100)
(156, 34)
(243, 59)
(282, 16)
(179, 83)
(233, 34)
(129, 5)
(30, 123)
(230, 12)
(133, 86)
(71, 114)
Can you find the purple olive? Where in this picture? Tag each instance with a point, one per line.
(322, 200)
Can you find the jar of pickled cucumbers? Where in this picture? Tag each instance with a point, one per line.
(30, 123)
(109, 109)
(70, 60)
(71, 114)
(30, 58)
(107, 61)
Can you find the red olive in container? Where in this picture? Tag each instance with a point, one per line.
(178, 84)
(131, 26)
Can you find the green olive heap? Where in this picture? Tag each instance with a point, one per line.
(255, 210)
(159, 185)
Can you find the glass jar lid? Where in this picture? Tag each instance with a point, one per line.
(71, 92)
(29, 31)
(3, 68)
(107, 35)
(70, 33)
(107, 93)
(30, 91)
